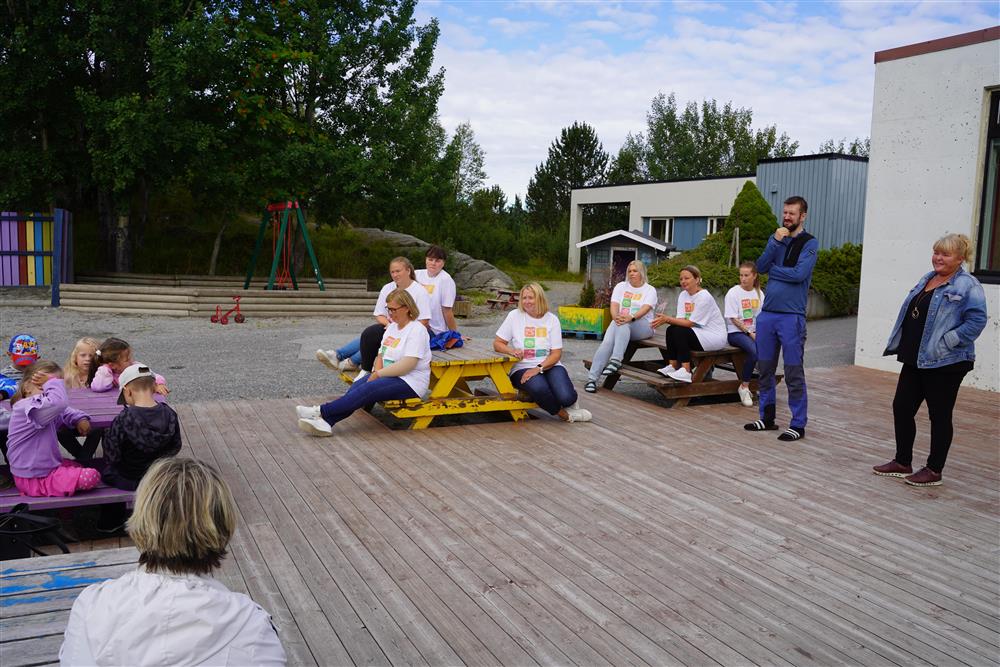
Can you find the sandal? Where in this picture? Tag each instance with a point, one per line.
(613, 366)
(590, 387)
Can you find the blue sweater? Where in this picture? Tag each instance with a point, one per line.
(787, 286)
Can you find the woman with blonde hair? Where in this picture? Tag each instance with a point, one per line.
(934, 338)
(170, 610)
(402, 369)
(533, 336)
(632, 304)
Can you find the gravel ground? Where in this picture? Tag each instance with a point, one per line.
(274, 357)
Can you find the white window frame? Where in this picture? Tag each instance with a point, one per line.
(714, 225)
(668, 229)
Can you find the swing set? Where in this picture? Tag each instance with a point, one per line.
(283, 228)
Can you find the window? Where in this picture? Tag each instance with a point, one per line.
(715, 225)
(662, 228)
(988, 251)
(601, 257)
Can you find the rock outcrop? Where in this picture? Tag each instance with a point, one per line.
(468, 272)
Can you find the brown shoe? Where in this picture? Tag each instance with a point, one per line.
(924, 477)
(893, 469)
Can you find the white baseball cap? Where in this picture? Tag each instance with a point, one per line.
(133, 372)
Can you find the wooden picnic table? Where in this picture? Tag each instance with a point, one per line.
(702, 363)
(102, 407)
(450, 394)
(504, 299)
(36, 595)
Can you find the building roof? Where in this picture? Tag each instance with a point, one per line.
(669, 180)
(817, 156)
(934, 45)
(633, 234)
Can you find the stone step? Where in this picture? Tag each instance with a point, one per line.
(306, 282)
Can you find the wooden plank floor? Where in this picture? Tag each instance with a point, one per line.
(649, 536)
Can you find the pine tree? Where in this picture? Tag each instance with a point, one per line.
(753, 215)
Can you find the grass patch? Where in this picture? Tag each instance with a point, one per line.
(537, 271)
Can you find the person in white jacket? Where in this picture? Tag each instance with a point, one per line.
(170, 611)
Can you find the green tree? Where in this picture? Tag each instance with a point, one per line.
(706, 140)
(756, 221)
(469, 173)
(574, 160)
(857, 146)
(629, 165)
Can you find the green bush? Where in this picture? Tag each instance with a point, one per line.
(587, 295)
(837, 277)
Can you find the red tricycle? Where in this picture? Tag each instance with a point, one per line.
(223, 318)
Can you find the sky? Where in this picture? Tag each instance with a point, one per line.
(519, 72)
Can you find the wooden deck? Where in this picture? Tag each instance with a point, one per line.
(648, 536)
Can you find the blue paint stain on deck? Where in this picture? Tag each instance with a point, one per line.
(14, 571)
(56, 581)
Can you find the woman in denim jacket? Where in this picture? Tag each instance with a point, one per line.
(934, 338)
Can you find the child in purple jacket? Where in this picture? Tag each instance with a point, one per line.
(40, 407)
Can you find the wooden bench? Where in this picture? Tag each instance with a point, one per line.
(450, 394)
(702, 383)
(102, 495)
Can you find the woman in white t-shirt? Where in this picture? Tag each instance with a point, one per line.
(533, 336)
(440, 288)
(402, 369)
(697, 327)
(632, 304)
(361, 351)
(743, 303)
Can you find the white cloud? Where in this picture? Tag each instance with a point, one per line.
(810, 76)
(515, 28)
(595, 25)
(693, 6)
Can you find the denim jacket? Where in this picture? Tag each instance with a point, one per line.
(956, 317)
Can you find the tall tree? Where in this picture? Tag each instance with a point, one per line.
(706, 140)
(629, 165)
(858, 146)
(469, 172)
(575, 159)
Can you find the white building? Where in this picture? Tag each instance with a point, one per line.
(678, 212)
(934, 169)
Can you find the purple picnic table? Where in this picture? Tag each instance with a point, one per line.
(102, 407)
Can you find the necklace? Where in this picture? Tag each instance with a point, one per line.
(915, 313)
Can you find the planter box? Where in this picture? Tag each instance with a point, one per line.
(574, 319)
(462, 309)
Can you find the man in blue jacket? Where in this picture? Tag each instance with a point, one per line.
(788, 260)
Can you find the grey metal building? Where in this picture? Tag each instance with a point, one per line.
(834, 185)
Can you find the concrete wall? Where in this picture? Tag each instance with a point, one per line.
(924, 180)
(688, 198)
(834, 186)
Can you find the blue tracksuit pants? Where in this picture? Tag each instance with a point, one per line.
(785, 334)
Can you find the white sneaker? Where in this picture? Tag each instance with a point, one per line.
(315, 427)
(578, 415)
(666, 370)
(681, 374)
(746, 396)
(348, 365)
(308, 412)
(361, 375)
(329, 359)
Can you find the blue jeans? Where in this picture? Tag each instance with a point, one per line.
(552, 390)
(364, 393)
(616, 340)
(748, 345)
(352, 350)
(783, 333)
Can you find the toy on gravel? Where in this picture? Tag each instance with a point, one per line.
(223, 318)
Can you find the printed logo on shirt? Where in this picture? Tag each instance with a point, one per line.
(748, 306)
(386, 344)
(429, 288)
(534, 336)
(632, 301)
(688, 310)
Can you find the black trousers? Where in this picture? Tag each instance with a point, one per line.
(681, 342)
(371, 341)
(937, 386)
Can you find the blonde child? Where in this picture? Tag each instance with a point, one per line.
(112, 357)
(76, 371)
(40, 407)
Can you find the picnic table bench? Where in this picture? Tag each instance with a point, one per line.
(504, 299)
(702, 363)
(36, 595)
(450, 394)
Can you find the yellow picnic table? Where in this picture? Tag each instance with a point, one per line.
(450, 394)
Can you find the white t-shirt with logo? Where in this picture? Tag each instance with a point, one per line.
(415, 289)
(743, 305)
(709, 326)
(441, 290)
(537, 336)
(631, 299)
(412, 341)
